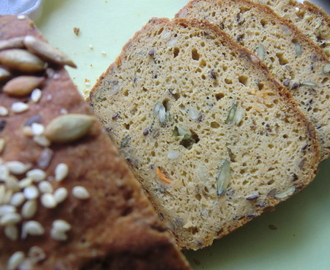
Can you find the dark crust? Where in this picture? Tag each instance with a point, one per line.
(315, 147)
(116, 228)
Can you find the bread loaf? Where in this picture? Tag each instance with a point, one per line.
(214, 139)
(311, 20)
(294, 59)
(68, 200)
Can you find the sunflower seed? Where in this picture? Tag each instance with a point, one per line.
(261, 51)
(19, 107)
(193, 113)
(11, 232)
(298, 49)
(125, 141)
(21, 60)
(223, 178)
(4, 74)
(12, 43)
(173, 154)
(29, 209)
(286, 193)
(80, 193)
(3, 111)
(22, 85)
(326, 68)
(308, 83)
(69, 127)
(235, 114)
(15, 260)
(47, 52)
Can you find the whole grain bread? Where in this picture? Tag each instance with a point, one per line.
(214, 139)
(293, 58)
(311, 20)
(67, 198)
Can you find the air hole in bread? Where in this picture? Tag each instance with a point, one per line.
(176, 51)
(260, 85)
(219, 96)
(243, 79)
(215, 125)
(263, 22)
(228, 81)
(195, 55)
(282, 59)
(202, 63)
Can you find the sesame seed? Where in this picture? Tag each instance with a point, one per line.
(4, 172)
(5, 209)
(19, 107)
(36, 95)
(16, 167)
(103, 53)
(25, 182)
(41, 140)
(58, 235)
(7, 197)
(64, 111)
(48, 200)
(3, 111)
(12, 183)
(61, 171)
(37, 129)
(87, 84)
(36, 254)
(60, 194)
(21, 17)
(61, 225)
(15, 260)
(36, 175)
(2, 145)
(10, 219)
(80, 193)
(91, 46)
(29, 209)
(11, 232)
(33, 228)
(17, 199)
(27, 131)
(31, 192)
(45, 187)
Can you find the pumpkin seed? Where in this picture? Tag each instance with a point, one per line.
(22, 60)
(223, 178)
(22, 85)
(12, 43)
(68, 128)
(47, 52)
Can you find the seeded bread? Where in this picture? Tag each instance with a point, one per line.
(212, 137)
(85, 209)
(294, 59)
(311, 20)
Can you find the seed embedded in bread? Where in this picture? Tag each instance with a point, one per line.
(238, 132)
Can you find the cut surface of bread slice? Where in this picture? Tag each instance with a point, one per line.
(293, 58)
(212, 137)
(311, 20)
(68, 200)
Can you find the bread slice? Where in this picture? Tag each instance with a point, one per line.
(310, 19)
(293, 58)
(212, 137)
(103, 219)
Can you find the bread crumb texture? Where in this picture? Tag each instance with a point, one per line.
(212, 137)
(293, 58)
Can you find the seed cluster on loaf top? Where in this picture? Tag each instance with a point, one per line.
(292, 58)
(212, 137)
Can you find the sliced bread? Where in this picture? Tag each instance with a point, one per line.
(212, 137)
(311, 20)
(68, 200)
(293, 58)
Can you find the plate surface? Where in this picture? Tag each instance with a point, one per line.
(295, 236)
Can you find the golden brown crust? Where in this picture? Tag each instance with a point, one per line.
(116, 228)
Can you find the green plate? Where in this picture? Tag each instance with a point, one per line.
(295, 236)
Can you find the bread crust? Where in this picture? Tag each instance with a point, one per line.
(116, 228)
